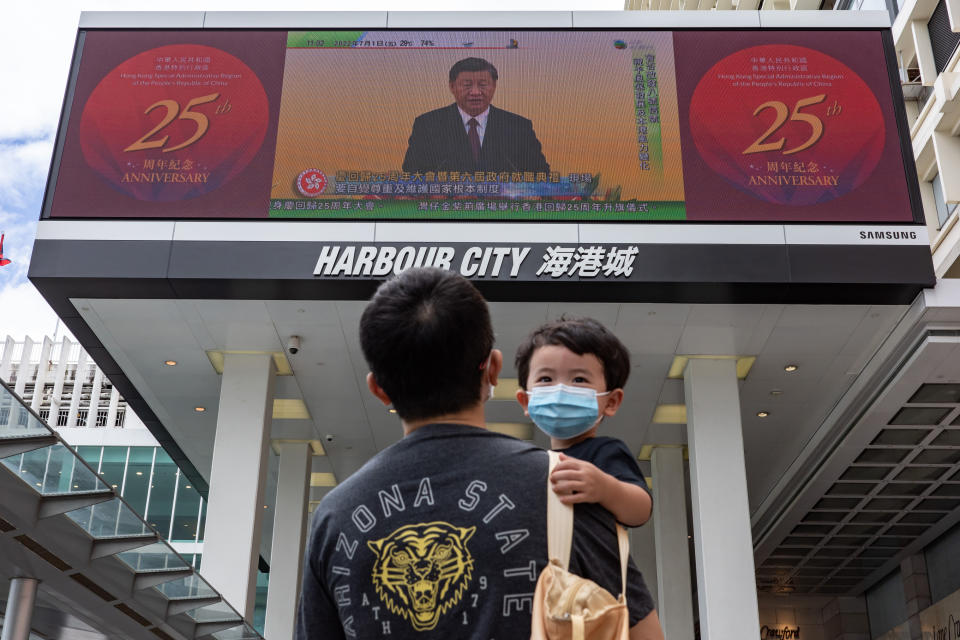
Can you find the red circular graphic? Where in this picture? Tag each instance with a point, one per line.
(311, 182)
(787, 124)
(174, 122)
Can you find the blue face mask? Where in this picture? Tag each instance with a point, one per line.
(564, 412)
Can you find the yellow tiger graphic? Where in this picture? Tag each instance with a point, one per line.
(422, 570)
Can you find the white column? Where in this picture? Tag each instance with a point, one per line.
(286, 551)
(726, 584)
(42, 367)
(231, 542)
(78, 379)
(94, 408)
(112, 410)
(7, 359)
(16, 622)
(58, 378)
(924, 50)
(24, 372)
(675, 603)
(643, 551)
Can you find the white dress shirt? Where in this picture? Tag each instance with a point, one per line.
(481, 121)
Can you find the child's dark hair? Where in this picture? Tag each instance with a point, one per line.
(579, 335)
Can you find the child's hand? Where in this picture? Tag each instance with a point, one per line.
(576, 480)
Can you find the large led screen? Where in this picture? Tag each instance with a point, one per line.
(520, 125)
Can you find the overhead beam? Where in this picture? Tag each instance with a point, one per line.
(14, 446)
(61, 503)
(147, 579)
(182, 605)
(205, 629)
(103, 547)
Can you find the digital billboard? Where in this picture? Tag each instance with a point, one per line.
(778, 126)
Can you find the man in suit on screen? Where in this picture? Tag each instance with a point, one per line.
(472, 135)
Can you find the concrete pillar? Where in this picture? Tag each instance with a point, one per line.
(16, 622)
(947, 149)
(846, 619)
(286, 551)
(7, 359)
(675, 603)
(77, 388)
(42, 367)
(644, 554)
(23, 371)
(231, 543)
(58, 379)
(94, 410)
(112, 410)
(916, 590)
(924, 50)
(726, 584)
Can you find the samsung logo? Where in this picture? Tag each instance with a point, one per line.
(888, 235)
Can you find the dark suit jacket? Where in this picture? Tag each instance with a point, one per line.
(439, 143)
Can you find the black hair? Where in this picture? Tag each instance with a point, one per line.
(426, 336)
(472, 64)
(580, 335)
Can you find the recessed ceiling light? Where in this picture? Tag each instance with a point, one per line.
(762, 414)
(392, 410)
(264, 506)
(199, 409)
(776, 392)
(139, 473)
(170, 363)
(790, 368)
(114, 486)
(187, 487)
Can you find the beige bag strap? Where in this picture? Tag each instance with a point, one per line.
(560, 530)
(559, 521)
(624, 541)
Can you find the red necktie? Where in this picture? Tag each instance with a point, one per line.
(474, 138)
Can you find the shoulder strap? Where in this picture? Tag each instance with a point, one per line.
(559, 521)
(560, 530)
(623, 541)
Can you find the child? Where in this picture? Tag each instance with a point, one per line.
(571, 374)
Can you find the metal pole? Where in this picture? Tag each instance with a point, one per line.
(16, 623)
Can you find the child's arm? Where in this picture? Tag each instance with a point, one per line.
(576, 480)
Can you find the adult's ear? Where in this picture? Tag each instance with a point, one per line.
(377, 390)
(495, 366)
(611, 402)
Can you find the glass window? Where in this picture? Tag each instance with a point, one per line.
(112, 465)
(137, 480)
(203, 519)
(91, 455)
(186, 511)
(943, 564)
(886, 604)
(944, 209)
(160, 509)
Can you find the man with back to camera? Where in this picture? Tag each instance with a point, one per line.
(442, 534)
(472, 135)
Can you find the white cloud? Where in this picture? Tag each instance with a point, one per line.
(26, 313)
(23, 170)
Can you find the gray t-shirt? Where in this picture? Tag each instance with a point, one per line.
(443, 535)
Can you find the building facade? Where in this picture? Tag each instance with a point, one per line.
(796, 387)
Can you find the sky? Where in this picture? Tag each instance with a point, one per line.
(36, 45)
